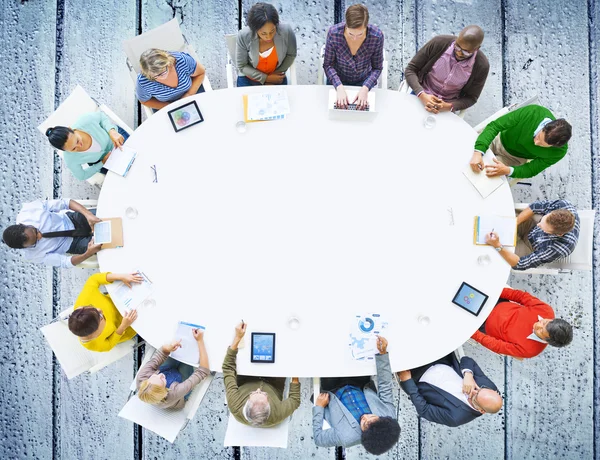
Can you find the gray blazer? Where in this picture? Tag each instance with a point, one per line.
(246, 56)
(345, 430)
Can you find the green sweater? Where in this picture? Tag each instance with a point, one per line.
(516, 133)
(237, 396)
(97, 125)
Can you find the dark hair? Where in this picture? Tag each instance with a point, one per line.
(58, 136)
(381, 435)
(14, 236)
(561, 333)
(84, 321)
(260, 14)
(357, 16)
(558, 132)
(561, 221)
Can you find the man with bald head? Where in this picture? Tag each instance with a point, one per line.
(450, 392)
(449, 72)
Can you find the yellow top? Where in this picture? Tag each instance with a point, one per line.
(91, 296)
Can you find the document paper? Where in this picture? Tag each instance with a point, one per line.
(188, 353)
(130, 298)
(485, 185)
(268, 105)
(504, 227)
(120, 161)
(102, 232)
(363, 335)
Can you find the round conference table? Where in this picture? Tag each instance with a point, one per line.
(309, 217)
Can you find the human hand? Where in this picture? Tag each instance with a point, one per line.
(362, 98)
(129, 279)
(240, 330)
(432, 104)
(106, 158)
(492, 239)
(93, 248)
(295, 380)
(469, 384)
(322, 400)
(171, 347)
(128, 320)
(476, 162)
(116, 138)
(275, 78)
(404, 376)
(497, 169)
(198, 334)
(382, 344)
(92, 219)
(341, 97)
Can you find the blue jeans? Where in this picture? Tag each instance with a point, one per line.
(200, 90)
(245, 81)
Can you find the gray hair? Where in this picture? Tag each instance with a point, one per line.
(154, 61)
(257, 412)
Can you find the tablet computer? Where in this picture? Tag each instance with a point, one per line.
(185, 116)
(470, 299)
(263, 347)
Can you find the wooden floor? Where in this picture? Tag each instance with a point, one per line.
(543, 47)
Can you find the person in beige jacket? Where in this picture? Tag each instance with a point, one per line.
(256, 401)
(161, 381)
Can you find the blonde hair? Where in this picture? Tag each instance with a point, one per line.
(151, 394)
(357, 16)
(154, 61)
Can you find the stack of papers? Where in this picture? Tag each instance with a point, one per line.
(120, 160)
(268, 105)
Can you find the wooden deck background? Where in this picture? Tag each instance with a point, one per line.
(545, 47)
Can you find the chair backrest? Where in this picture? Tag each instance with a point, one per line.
(76, 104)
(239, 434)
(231, 42)
(503, 111)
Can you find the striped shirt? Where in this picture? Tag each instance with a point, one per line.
(354, 400)
(362, 69)
(547, 247)
(448, 75)
(185, 66)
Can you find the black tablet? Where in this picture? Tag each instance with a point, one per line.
(470, 299)
(185, 116)
(263, 347)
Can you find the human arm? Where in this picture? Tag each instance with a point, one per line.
(468, 363)
(431, 412)
(242, 57)
(500, 346)
(323, 438)
(235, 401)
(91, 250)
(384, 373)
(76, 167)
(292, 402)
(535, 166)
(419, 60)
(524, 215)
(197, 74)
(329, 61)
(199, 336)
(126, 278)
(151, 367)
(485, 138)
(291, 52)
(472, 90)
(376, 65)
(77, 207)
(511, 258)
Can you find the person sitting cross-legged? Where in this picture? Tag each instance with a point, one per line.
(450, 392)
(358, 412)
(48, 230)
(546, 230)
(256, 401)
(167, 383)
(521, 325)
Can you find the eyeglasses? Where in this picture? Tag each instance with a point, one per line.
(464, 52)
(162, 74)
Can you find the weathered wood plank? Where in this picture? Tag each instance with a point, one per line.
(28, 51)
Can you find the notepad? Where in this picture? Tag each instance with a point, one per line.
(188, 353)
(120, 160)
(485, 185)
(103, 232)
(504, 227)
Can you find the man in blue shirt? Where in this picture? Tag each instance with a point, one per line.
(47, 230)
(357, 411)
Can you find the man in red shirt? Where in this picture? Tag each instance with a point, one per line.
(521, 325)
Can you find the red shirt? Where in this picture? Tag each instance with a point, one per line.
(510, 323)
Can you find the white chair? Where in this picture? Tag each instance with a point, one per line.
(582, 256)
(230, 68)
(164, 422)
(459, 353)
(70, 353)
(381, 83)
(240, 435)
(503, 111)
(167, 37)
(75, 105)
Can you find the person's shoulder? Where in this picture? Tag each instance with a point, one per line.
(374, 31)
(481, 59)
(441, 40)
(337, 29)
(285, 29)
(142, 81)
(537, 111)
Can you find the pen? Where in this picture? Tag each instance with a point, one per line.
(492, 232)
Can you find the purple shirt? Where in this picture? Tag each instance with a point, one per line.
(362, 69)
(448, 75)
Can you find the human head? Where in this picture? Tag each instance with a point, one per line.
(555, 134)
(85, 321)
(556, 332)
(155, 62)
(263, 20)
(557, 222)
(58, 136)
(357, 17)
(379, 434)
(468, 41)
(153, 390)
(257, 408)
(20, 236)
(486, 400)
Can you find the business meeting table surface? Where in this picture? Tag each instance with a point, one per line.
(312, 217)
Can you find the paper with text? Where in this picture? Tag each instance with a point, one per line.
(120, 161)
(102, 232)
(130, 298)
(188, 353)
(504, 227)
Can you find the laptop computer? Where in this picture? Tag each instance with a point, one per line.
(352, 112)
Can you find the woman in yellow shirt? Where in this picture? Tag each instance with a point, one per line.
(96, 320)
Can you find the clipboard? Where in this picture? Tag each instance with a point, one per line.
(502, 225)
(116, 233)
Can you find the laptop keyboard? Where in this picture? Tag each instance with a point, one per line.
(352, 107)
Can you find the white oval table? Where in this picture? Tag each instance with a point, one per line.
(309, 217)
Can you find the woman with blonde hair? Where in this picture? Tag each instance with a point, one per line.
(167, 76)
(165, 382)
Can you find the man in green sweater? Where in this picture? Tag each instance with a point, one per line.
(256, 401)
(525, 142)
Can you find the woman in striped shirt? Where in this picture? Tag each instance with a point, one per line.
(167, 76)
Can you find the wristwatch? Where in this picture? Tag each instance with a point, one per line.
(499, 248)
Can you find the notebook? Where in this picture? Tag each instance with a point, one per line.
(485, 185)
(188, 353)
(120, 161)
(504, 227)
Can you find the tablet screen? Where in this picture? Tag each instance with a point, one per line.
(263, 347)
(470, 299)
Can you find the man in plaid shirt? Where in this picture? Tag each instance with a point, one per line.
(547, 230)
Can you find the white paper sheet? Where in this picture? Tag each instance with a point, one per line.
(485, 185)
(130, 298)
(188, 353)
(268, 105)
(239, 434)
(120, 161)
(504, 227)
(363, 335)
(103, 232)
